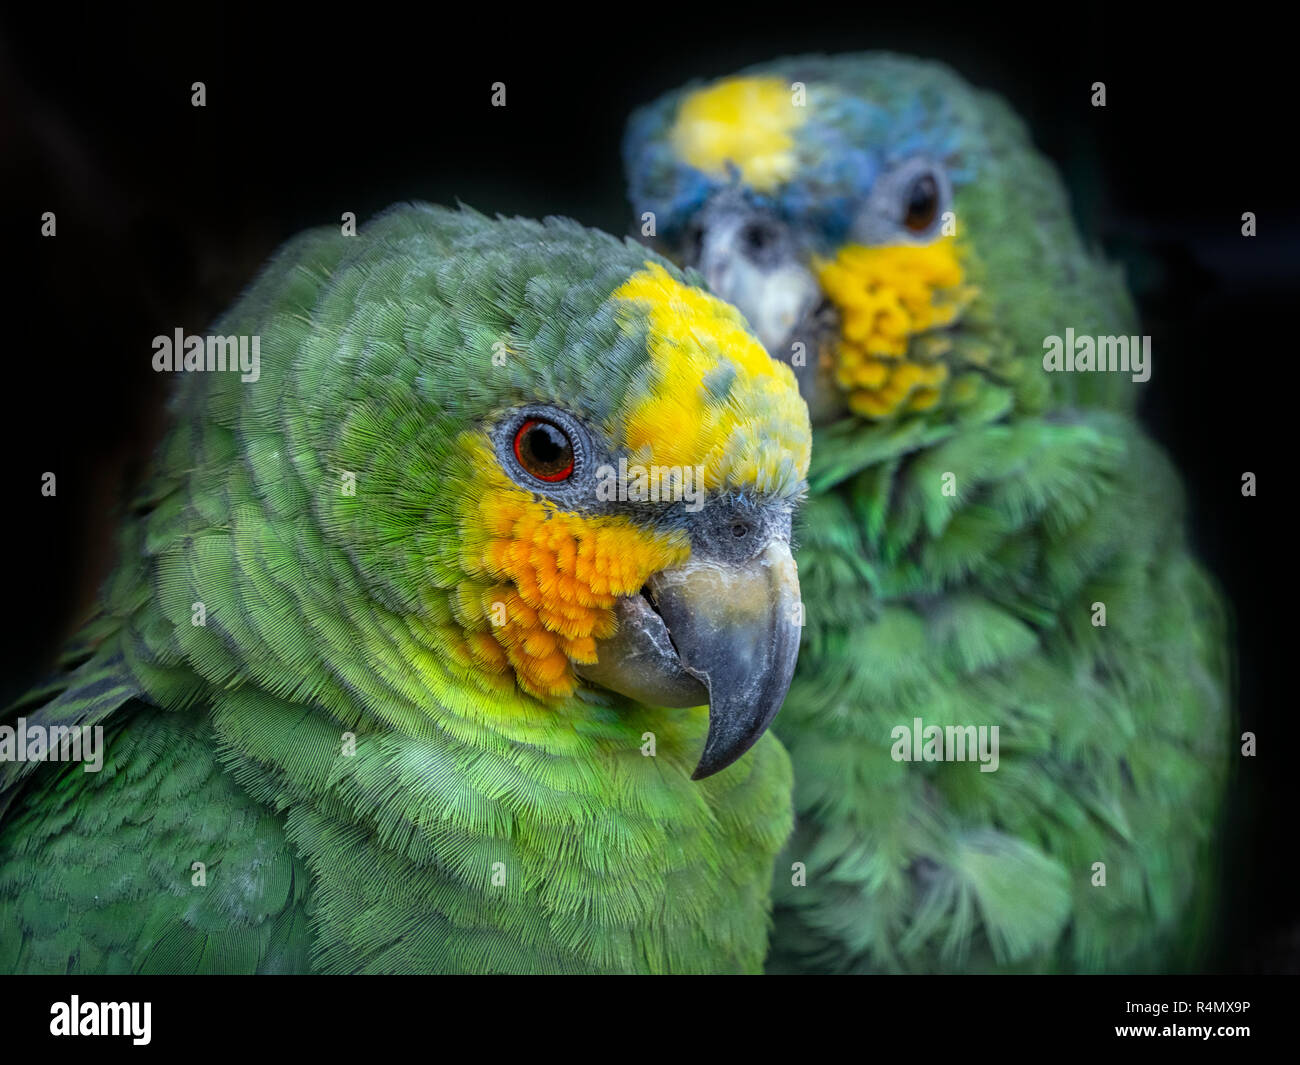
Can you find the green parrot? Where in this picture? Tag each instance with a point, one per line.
(1010, 722)
(398, 672)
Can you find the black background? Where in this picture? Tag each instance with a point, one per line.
(165, 212)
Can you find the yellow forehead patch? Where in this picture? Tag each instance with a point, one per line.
(748, 122)
(893, 302)
(715, 398)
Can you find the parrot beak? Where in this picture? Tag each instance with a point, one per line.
(736, 629)
(716, 630)
(771, 284)
(752, 261)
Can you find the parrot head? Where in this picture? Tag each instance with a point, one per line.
(560, 473)
(846, 205)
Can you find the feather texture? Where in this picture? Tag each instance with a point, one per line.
(300, 685)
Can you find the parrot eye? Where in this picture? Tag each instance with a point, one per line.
(906, 204)
(921, 203)
(544, 450)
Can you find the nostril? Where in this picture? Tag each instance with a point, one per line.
(739, 530)
(757, 237)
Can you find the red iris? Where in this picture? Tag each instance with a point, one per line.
(544, 450)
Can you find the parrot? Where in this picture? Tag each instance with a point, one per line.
(1010, 720)
(392, 673)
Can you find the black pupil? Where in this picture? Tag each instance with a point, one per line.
(922, 200)
(546, 448)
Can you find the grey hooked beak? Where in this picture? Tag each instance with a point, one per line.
(736, 629)
(716, 631)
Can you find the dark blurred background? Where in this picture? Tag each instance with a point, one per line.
(165, 211)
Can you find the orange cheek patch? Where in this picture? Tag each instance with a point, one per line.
(546, 582)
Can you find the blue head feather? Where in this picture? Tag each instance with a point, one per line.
(873, 111)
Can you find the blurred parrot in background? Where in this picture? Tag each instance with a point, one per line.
(378, 667)
(993, 556)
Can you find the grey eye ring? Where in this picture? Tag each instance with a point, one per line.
(908, 203)
(543, 448)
